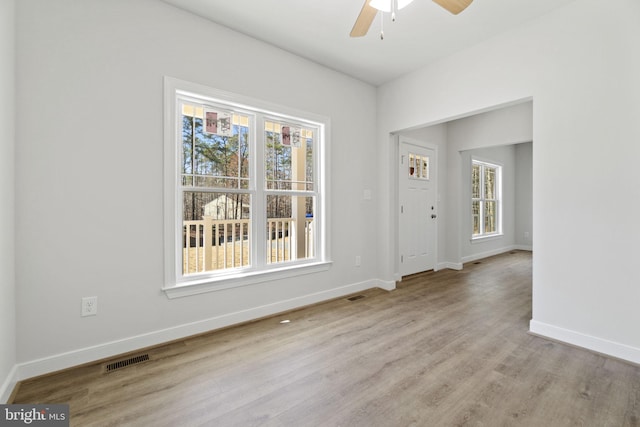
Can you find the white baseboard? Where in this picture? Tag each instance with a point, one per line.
(475, 257)
(102, 351)
(498, 251)
(9, 384)
(599, 345)
(387, 285)
(523, 248)
(449, 265)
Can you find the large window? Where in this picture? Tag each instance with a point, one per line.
(246, 189)
(486, 190)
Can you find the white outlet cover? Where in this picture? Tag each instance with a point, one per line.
(89, 306)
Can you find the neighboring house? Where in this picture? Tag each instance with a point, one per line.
(225, 207)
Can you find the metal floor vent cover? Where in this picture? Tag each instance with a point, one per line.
(110, 367)
(355, 298)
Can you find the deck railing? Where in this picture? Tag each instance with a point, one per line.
(211, 244)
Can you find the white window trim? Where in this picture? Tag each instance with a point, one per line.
(498, 234)
(174, 285)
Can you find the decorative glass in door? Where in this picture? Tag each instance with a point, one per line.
(419, 167)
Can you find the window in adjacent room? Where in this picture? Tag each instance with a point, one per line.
(486, 192)
(246, 190)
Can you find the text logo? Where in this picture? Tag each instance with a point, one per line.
(34, 415)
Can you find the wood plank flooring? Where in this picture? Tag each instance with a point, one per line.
(447, 348)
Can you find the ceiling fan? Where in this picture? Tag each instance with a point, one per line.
(371, 7)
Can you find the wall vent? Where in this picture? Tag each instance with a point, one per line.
(113, 366)
(355, 298)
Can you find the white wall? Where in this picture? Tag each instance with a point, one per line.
(524, 196)
(7, 147)
(579, 64)
(510, 124)
(89, 173)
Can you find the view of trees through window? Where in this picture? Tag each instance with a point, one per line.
(485, 197)
(288, 166)
(220, 192)
(211, 161)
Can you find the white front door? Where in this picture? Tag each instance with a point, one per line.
(418, 210)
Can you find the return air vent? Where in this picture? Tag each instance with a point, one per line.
(110, 367)
(355, 298)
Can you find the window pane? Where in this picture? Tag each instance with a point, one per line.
(419, 167)
(309, 140)
(475, 181)
(215, 232)
(209, 159)
(489, 183)
(290, 228)
(288, 157)
(426, 170)
(412, 165)
(475, 215)
(490, 217)
(187, 144)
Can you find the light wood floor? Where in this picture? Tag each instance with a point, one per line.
(449, 348)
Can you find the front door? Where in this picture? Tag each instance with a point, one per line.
(418, 210)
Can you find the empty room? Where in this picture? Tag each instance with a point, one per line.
(320, 213)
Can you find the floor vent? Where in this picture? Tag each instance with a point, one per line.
(110, 367)
(355, 298)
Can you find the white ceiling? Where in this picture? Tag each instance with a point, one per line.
(319, 30)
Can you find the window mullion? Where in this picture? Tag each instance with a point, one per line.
(193, 147)
(481, 217)
(258, 214)
(317, 188)
(482, 200)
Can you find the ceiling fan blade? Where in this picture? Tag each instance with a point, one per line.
(364, 20)
(454, 6)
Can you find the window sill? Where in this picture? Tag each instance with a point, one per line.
(483, 239)
(200, 286)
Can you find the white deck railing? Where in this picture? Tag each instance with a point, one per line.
(210, 244)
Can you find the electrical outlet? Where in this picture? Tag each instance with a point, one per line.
(358, 261)
(89, 306)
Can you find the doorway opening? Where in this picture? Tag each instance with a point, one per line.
(507, 130)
